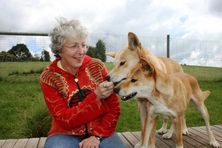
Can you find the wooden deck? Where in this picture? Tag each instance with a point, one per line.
(197, 139)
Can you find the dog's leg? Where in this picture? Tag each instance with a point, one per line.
(148, 139)
(169, 133)
(143, 114)
(178, 129)
(184, 126)
(204, 112)
(153, 121)
(198, 98)
(163, 129)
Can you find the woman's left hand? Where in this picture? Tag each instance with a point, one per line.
(91, 142)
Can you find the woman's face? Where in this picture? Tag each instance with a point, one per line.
(73, 53)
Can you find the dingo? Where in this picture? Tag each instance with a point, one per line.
(127, 58)
(168, 94)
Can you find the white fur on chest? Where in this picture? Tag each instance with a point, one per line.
(161, 108)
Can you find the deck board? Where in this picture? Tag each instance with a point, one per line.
(21, 143)
(197, 138)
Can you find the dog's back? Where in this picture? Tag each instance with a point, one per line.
(192, 86)
(171, 65)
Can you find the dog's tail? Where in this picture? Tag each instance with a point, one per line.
(205, 94)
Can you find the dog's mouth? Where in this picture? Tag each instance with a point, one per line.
(116, 83)
(125, 98)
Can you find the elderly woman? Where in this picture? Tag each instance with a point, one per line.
(81, 102)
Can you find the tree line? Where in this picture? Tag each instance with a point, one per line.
(20, 52)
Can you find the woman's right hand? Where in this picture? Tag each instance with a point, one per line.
(104, 89)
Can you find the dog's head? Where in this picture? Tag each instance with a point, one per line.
(125, 59)
(140, 82)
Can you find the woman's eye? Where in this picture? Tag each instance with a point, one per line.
(133, 80)
(74, 46)
(122, 63)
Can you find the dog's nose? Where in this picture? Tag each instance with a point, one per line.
(107, 78)
(116, 90)
(115, 83)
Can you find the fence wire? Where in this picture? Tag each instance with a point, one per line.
(184, 51)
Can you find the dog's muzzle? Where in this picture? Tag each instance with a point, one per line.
(125, 98)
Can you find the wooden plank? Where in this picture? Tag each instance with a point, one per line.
(9, 143)
(159, 143)
(217, 132)
(126, 143)
(2, 142)
(32, 143)
(186, 142)
(199, 137)
(130, 137)
(218, 126)
(168, 142)
(42, 142)
(190, 139)
(217, 135)
(20, 143)
(204, 133)
(195, 140)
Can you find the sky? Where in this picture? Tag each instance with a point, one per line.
(195, 26)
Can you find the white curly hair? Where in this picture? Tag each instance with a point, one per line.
(66, 29)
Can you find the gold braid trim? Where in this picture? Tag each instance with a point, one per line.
(55, 80)
(94, 69)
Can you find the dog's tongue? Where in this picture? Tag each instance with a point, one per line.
(124, 98)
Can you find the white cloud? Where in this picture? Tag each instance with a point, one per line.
(182, 19)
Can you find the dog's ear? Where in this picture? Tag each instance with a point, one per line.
(147, 66)
(133, 41)
(111, 54)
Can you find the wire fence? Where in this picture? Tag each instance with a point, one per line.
(184, 51)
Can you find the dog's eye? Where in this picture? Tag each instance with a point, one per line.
(122, 63)
(133, 80)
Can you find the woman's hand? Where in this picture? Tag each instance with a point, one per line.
(104, 90)
(91, 142)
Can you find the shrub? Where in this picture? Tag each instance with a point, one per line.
(38, 124)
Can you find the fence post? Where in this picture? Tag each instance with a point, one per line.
(168, 46)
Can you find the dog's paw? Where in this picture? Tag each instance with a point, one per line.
(185, 131)
(214, 144)
(168, 135)
(162, 131)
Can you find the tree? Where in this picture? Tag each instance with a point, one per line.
(91, 52)
(98, 52)
(6, 57)
(101, 50)
(21, 52)
(45, 56)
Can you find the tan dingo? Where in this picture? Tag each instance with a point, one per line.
(127, 58)
(168, 94)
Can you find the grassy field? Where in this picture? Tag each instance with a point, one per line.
(23, 112)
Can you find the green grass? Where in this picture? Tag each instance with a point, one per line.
(18, 67)
(23, 112)
(204, 73)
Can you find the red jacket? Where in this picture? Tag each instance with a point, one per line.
(71, 115)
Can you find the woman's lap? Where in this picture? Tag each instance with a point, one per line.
(66, 141)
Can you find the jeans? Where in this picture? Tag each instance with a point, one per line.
(69, 141)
